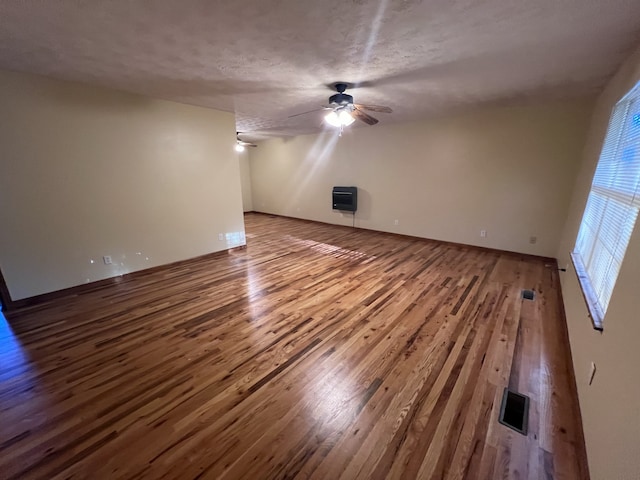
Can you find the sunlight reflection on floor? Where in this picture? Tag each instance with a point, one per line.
(328, 249)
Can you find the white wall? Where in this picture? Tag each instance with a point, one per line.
(508, 171)
(87, 172)
(611, 405)
(245, 180)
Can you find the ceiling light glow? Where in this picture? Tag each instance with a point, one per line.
(239, 148)
(332, 119)
(339, 119)
(345, 118)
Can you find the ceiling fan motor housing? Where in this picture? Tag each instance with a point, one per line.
(341, 99)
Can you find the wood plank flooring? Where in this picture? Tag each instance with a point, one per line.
(317, 352)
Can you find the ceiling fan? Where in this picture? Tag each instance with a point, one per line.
(344, 112)
(241, 144)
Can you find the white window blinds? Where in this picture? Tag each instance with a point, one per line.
(612, 207)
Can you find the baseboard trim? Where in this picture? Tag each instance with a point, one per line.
(12, 308)
(583, 461)
(413, 237)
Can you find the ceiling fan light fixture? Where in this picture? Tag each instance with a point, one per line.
(339, 119)
(344, 111)
(345, 118)
(239, 148)
(332, 119)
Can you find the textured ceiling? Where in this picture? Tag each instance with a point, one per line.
(268, 59)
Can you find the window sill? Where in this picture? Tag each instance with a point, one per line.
(588, 294)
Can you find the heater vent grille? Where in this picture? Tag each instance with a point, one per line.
(528, 294)
(514, 411)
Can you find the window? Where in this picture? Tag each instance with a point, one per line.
(612, 208)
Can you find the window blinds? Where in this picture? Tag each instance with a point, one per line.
(612, 207)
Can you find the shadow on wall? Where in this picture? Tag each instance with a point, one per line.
(364, 204)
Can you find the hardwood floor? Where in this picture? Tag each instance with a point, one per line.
(316, 352)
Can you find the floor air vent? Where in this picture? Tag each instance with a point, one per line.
(528, 294)
(514, 411)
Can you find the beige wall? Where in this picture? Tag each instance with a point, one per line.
(508, 171)
(245, 180)
(87, 172)
(611, 405)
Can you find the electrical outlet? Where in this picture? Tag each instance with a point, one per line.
(533, 239)
(483, 233)
(107, 260)
(220, 237)
(395, 222)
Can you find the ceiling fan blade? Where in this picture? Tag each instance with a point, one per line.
(242, 142)
(364, 117)
(310, 111)
(374, 108)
